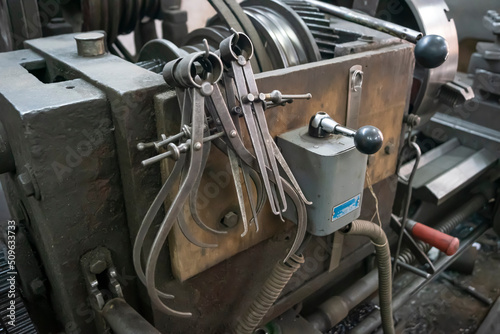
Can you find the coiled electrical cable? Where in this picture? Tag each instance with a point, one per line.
(271, 290)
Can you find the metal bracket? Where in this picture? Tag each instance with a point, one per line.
(338, 242)
(354, 96)
(99, 272)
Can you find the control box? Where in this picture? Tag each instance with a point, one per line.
(331, 173)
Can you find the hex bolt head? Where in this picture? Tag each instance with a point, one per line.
(230, 219)
(236, 110)
(97, 266)
(389, 148)
(37, 287)
(24, 180)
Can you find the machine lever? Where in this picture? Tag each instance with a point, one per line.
(368, 139)
(277, 98)
(442, 241)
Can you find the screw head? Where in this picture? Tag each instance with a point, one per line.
(197, 146)
(249, 98)
(242, 61)
(37, 286)
(230, 219)
(236, 111)
(233, 133)
(26, 184)
(389, 148)
(206, 89)
(97, 266)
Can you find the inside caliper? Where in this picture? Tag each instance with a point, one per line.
(209, 116)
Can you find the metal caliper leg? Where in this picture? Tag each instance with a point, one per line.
(262, 123)
(192, 197)
(177, 206)
(233, 55)
(158, 202)
(258, 142)
(179, 74)
(246, 179)
(235, 169)
(232, 104)
(235, 143)
(181, 219)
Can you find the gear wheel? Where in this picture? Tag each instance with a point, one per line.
(24, 324)
(319, 25)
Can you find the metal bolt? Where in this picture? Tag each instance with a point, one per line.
(197, 146)
(37, 287)
(97, 266)
(357, 80)
(248, 98)
(389, 148)
(91, 44)
(230, 220)
(366, 38)
(242, 61)
(206, 89)
(411, 120)
(233, 133)
(236, 111)
(24, 180)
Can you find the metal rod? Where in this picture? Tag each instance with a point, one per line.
(468, 289)
(344, 131)
(169, 140)
(413, 269)
(369, 21)
(123, 319)
(156, 158)
(412, 144)
(183, 148)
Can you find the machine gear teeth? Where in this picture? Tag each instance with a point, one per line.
(23, 322)
(319, 25)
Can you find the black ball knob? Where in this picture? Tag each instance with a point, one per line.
(368, 139)
(431, 51)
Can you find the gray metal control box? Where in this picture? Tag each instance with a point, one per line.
(331, 173)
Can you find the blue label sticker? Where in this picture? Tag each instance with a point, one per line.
(347, 207)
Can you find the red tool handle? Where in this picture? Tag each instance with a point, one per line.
(444, 242)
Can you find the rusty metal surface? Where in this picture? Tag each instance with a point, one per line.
(64, 133)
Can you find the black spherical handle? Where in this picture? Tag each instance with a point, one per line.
(368, 139)
(431, 51)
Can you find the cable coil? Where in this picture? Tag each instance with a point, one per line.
(271, 290)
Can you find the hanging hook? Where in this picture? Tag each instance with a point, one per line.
(207, 48)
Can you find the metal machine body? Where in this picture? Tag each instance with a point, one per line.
(125, 121)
